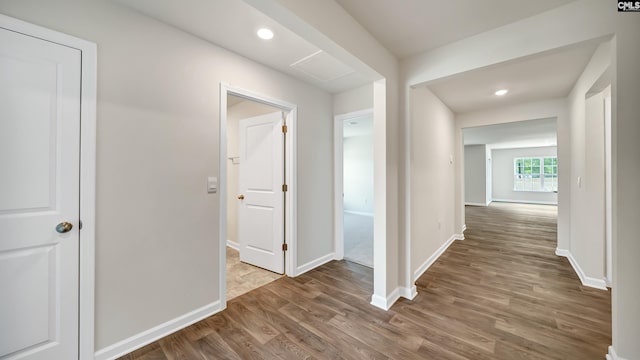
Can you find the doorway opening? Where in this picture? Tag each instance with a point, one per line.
(513, 168)
(257, 190)
(354, 186)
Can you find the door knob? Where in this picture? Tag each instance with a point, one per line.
(64, 227)
(241, 197)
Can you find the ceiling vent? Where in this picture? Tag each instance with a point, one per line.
(322, 66)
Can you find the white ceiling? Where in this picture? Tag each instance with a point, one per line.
(361, 126)
(530, 133)
(408, 27)
(538, 77)
(232, 24)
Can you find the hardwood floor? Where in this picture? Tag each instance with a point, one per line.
(499, 294)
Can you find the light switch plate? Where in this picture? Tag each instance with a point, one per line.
(212, 185)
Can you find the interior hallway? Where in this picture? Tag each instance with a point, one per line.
(499, 294)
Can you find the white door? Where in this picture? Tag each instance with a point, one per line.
(261, 210)
(39, 189)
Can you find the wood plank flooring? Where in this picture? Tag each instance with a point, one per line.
(499, 294)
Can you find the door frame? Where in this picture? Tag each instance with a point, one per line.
(88, 84)
(290, 216)
(338, 178)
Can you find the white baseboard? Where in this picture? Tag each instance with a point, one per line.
(148, 336)
(432, 259)
(408, 293)
(464, 228)
(313, 264)
(584, 279)
(234, 245)
(612, 354)
(359, 213)
(475, 204)
(385, 303)
(526, 201)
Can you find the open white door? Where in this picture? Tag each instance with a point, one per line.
(39, 198)
(261, 210)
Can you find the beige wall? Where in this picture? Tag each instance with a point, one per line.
(157, 142)
(432, 175)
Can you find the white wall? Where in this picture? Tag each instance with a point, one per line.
(475, 174)
(502, 172)
(235, 113)
(353, 100)
(626, 152)
(358, 174)
(157, 142)
(587, 170)
(432, 176)
(489, 179)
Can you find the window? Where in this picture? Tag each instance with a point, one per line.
(535, 174)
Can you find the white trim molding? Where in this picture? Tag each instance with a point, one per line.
(434, 257)
(232, 244)
(148, 336)
(584, 279)
(361, 213)
(88, 86)
(385, 303)
(313, 264)
(526, 202)
(612, 354)
(475, 204)
(408, 293)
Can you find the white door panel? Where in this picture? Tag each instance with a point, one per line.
(39, 188)
(261, 212)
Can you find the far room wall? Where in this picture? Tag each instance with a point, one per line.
(358, 174)
(503, 176)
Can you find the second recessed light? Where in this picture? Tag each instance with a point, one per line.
(265, 34)
(501, 92)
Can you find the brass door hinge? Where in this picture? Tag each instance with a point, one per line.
(284, 247)
(284, 129)
(285, 188)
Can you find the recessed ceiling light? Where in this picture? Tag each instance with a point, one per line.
(353, 123)
(501, 92)
(265, 34)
